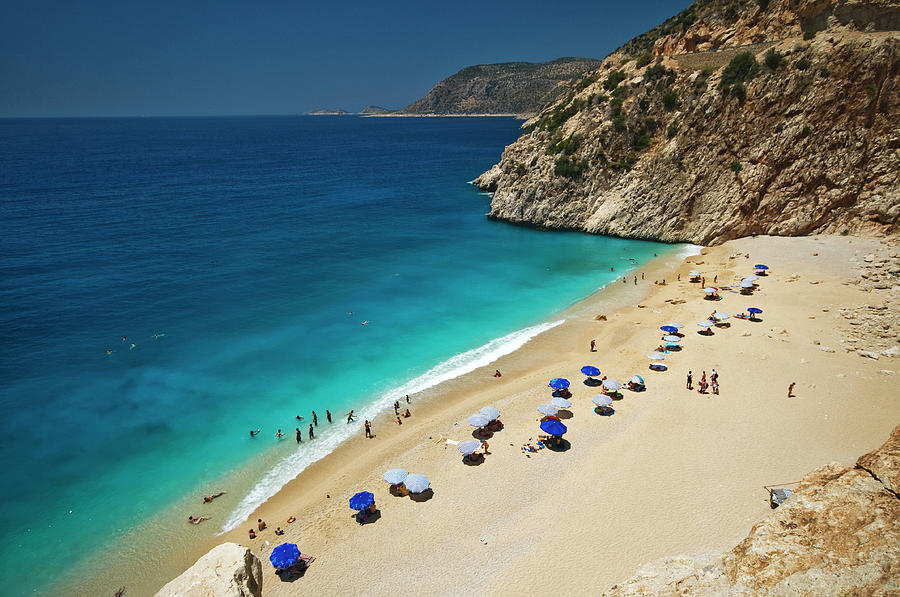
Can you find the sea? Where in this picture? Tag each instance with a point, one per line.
(168, 285)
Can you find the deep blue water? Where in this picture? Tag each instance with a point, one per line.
(244, 243)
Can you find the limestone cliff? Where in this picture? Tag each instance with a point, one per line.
(504, 88)
(734, 117)
(838, 534)
(228, 570)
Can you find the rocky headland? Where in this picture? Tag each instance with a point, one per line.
(513, 88)
(732, 118)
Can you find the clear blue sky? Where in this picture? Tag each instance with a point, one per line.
(198, 57)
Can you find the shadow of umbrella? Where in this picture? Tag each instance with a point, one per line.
(422, 496)
(565, 414)
(560, 445)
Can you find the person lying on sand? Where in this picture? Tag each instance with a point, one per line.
(208, 498)
(193, 520)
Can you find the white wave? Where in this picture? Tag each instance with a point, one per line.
(690, 250)
(291, 466)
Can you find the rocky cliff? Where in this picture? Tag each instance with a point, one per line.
(228, 570)
(838, 534)
(734, 117)
(505, 88)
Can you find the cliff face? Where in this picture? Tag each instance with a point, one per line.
(228, 570)
(838, 534)
(505, 88)
(728, 119)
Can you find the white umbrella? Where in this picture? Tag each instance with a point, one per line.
(469, 446)
(721, 316)
(677, 326)
(611, 384)
(710, 290)
(601, 400)
(671, 338)
(705, 324)
(478, 420)
(417, 483)
(746, 284)
(491, 413)
(637, 379)
(560, 402)
(547, 409)
(751, 277)
(396, 476)
(693, 273)
(657, 356)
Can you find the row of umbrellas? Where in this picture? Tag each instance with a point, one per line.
(415, 482)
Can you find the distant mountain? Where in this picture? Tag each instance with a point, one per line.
(504, 88)
(374, 110)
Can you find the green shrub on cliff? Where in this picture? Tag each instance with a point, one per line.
(672, 131)
(773, 59)
(643, 60)
(569, 168)
(742, 67)
(669, 99)
(736, 166)
(566, 146)
(613, 79)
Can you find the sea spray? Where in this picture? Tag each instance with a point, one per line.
(291, 466)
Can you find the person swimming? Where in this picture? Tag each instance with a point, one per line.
(132, 346)
(208, 498)
(254, 433)
(193, 520)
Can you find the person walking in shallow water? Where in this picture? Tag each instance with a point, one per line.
(350, 416)
(315, 419)
(328, 415)
(311, 434)
(299, 436)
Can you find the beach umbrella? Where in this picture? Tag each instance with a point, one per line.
(705, 324)
(547, 409)
(491, 413)
(761, 266)
(284, 556)
(694, 273)
(670, 338)
(611, 384)
(721, 316)
(671, 329)
(560, 403)
(656, 356)
(395, 476)
(469, 446)
(590, 371)
(754, 310)
(751, 277)
(553, 427)
(362, 500)
(558, 383)
(672, 345)
(478, 420)
(746, 284)
(710, 290)
(601, 400)
(637, 379)
(677, 326)
(417, 483)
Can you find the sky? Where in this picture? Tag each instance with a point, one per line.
(230, 57)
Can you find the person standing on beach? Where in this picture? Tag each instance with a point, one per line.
(396, 407)
(635, 280)
(399, 422)
(299, 436)
(350, 416)
(593, 346)
(311, 434)
(679, 277)
(642, 275)
(315, 419)
(368, 429)
(328, 415)
(407, 398)
(791, 389)
(714, 376)
(690, 378)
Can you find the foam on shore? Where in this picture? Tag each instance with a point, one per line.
(291, 466)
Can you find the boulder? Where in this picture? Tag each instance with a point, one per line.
(228, 570)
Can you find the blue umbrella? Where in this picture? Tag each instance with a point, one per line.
(558, 383)
(761, 266)
(671, 329)
(284, 556)
(754, 310)
(362, 500)
(553, 427)
(590, 371)
(673, 345)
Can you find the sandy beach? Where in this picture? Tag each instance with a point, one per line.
(671, 472)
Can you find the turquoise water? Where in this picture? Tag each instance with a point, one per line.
(231, 253)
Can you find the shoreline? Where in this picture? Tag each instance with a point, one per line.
(186, 549)
(642, 429)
